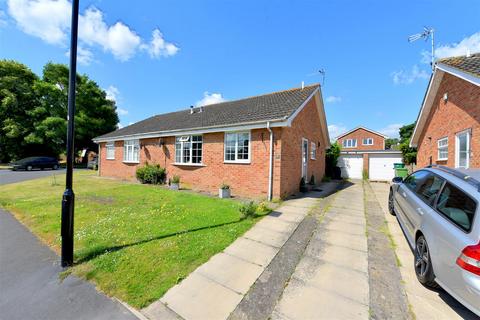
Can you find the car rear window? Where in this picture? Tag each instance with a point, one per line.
(457, 206)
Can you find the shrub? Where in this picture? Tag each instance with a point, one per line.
(151, 173)
(263, 208)
(303, 187)
(175, 179)
(248, 210)
(224, 186)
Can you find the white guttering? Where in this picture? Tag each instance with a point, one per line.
(270, 168)
(460, 74)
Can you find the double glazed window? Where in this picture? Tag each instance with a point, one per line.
(188, 149)
(367, 141)
(313, 151)
(350, 143)
(131, 151)
(443, 149)
(110, 147)
(237, 147)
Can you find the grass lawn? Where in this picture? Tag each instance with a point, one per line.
(134, 241)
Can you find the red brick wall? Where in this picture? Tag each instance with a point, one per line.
(460, 112)
(360, 134)
(248, 180)
(305, 125)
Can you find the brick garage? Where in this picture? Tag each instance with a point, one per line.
(451, 109)
(306, 120)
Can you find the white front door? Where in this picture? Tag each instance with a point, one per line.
(462, 149)
(304, 158)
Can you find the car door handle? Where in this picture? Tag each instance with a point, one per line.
(420, 211)
(404, 194)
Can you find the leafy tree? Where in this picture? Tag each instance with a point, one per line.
(391, 143)
(33, 111)
(409, 154)
(331, 158)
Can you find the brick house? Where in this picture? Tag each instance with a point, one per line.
(261, 146)
(363, 153)
(361, 138)
(447, 130)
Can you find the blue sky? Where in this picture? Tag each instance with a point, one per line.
(160, 56)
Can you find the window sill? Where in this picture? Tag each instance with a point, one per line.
(109, 158)
(131, 162)
(236, 162)
(189, 164)
(442, 159)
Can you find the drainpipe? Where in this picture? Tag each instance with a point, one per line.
(270, 173)
(98, 158)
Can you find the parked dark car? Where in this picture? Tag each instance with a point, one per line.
(31, 163)
(93, 163)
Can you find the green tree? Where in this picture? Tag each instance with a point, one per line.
(331, 158)
(391, 143)
(409, 154)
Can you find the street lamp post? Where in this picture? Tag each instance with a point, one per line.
(68, 200)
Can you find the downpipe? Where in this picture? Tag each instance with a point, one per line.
(270, 169)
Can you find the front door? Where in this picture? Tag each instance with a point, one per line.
(462, 150)
(304, 158)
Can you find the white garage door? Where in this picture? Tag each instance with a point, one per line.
(381, 166)
(351, 165)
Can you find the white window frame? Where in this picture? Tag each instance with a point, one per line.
(349, 143)
(369, 141)
(110, 150)
(236, 147)
(129, 148)
(188, 139)
(313, 151)
(457, 148)
(441, 148)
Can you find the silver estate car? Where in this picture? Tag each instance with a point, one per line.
(438, 210)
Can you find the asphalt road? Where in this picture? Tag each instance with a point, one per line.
(30, 287)
(9, 176)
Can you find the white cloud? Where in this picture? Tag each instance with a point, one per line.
(408, 77)
(122, 112)
(84, 56)
(469, 44)
(112, 93)
(45, 19)
(392, 130)
(49, 20)
(3, 19)
(334, 130)
(333, 99)
(158, 47)
(210, 98)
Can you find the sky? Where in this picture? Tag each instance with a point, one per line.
(154, 56)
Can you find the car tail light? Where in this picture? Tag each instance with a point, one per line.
(470, 259)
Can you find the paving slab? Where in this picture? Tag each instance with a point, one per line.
(345, 227)
(158, 310)
(276, 224)
(345, 257)
(288, 216)
(231, 272)
(302, 301)
(267, 236)
(352, 241)
(198, 297)
(252, 251)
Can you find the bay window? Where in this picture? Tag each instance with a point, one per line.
(131, 151)
(188, 149)
(237, 147)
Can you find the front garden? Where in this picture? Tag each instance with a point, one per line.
(134, 241)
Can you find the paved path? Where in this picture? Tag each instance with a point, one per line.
(9, 176)
(216, 288)
(426, 303)
(30, 287)
(331, 280)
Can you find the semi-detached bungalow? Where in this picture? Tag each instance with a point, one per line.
(261, 146)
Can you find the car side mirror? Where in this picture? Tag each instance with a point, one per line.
(397, 180)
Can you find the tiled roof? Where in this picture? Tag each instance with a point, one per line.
(466, 64)
(268, 107)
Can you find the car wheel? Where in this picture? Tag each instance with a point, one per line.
(29, 168)
(55, 167)
(423, 263)
(391, 207)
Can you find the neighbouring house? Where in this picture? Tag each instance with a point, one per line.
(261, 146)
(447, 130)
(363, 154)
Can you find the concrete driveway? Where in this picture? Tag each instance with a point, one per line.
(31, 287)
(9, 176)
(426, 303)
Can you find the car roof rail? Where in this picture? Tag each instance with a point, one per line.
(465, 177)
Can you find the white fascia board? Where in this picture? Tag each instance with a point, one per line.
(299, 109)
(364, 128)
(171, 133)
(373, 151)
(460, 74)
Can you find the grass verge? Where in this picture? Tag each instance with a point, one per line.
(133, 241)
